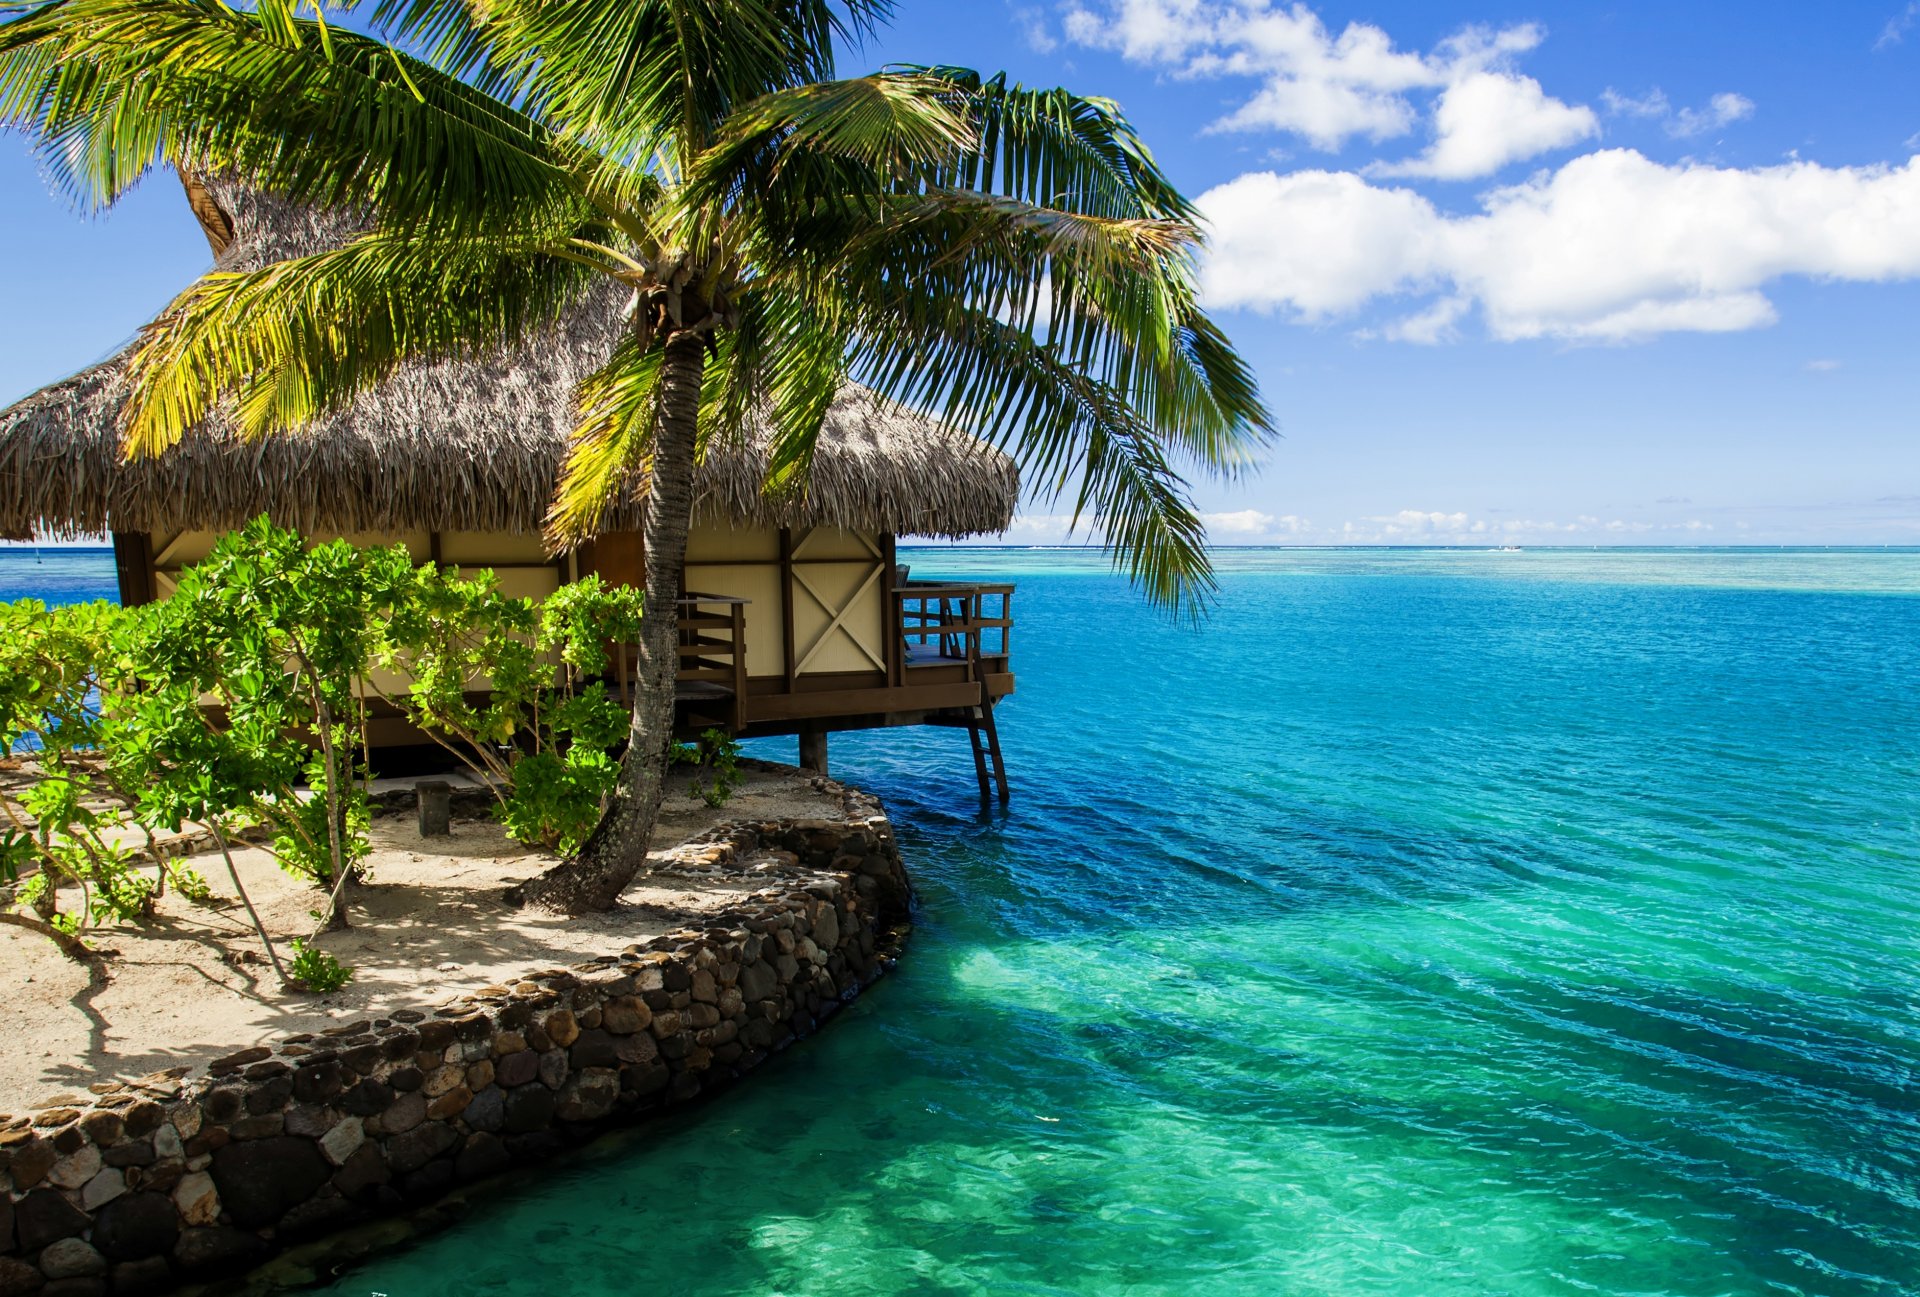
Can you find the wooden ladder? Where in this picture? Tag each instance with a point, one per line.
(983, 736)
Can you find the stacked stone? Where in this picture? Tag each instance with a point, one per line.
(140, 1186)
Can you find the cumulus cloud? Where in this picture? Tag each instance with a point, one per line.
(1488, 119)
(1327, 88)
(1041, 529)
(1611, 247)
(1251, 526)
(1331, 88)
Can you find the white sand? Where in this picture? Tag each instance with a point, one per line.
(194, 984)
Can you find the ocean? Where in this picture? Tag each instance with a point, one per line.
(1430, 923)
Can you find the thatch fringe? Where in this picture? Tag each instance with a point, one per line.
(467, 445)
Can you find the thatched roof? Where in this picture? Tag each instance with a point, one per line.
(470, 445)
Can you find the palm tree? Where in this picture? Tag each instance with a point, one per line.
(1011, 260)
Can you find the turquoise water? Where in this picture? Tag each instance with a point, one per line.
(1433, 923)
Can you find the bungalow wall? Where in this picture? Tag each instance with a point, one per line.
(822, 646)
(519, 562)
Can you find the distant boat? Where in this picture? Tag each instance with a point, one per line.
(1508, 549)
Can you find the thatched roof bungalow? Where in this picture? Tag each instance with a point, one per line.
(458, 459)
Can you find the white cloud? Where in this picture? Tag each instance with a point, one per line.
(1722, 110)
(1898, 26)
(1236, 527)
(1319, 243)
(1246, 522)
(1033, 29)
(1040, 529)
(1488, 119)
(1437, 324)
(1652, 104)
(1612, 246)
(1330, 88)
(1822, 366)
(1669, 520)
(1459, 527)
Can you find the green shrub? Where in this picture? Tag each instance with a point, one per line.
(241, 701)
(313, 969)
(716, 762)
(546, 732)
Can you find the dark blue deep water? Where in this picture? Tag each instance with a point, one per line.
(1432, 924)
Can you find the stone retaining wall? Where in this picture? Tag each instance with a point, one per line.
(140, 1186)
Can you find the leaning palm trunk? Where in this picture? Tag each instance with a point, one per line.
(594, 879)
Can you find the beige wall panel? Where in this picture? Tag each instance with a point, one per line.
(177, 549)
(534, 583)
(492, 549)
(710, 542)
(835, 543)
(862, 628)
(419, 544)
(766, 655)
(394, 684)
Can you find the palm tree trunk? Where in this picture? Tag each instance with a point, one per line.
(594, 879)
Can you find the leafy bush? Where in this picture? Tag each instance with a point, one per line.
(317, 971)
(716, 762)
(544, 730)
(277, 636)
(241, 701)
(56, 667)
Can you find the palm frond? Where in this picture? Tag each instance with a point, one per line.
(1113, 298)
(1071, 430)
(805, 365)
(1055, 148)
(301, 337)
(640, 78)
(316, 113)
(611, 445)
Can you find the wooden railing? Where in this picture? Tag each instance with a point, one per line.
(713, 652)
(949, 622)
(713, 655)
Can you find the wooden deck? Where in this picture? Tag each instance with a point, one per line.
(950, 649)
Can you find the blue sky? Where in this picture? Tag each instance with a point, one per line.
(1629, 273)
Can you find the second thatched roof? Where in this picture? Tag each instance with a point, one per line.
(467, 445)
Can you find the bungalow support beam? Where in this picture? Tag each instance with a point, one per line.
(813, 748)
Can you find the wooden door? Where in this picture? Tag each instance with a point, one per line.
(620, 557)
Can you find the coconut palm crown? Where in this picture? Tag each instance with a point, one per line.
(1010, 260)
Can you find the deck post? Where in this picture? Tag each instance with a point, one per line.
(813, 748)
(434, 798)
(133, 564)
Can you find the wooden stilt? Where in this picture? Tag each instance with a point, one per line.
(993, 748)
(976, 743)
(813, 749)
(983, 739)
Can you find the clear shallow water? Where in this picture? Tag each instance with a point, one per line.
(1434, 923)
